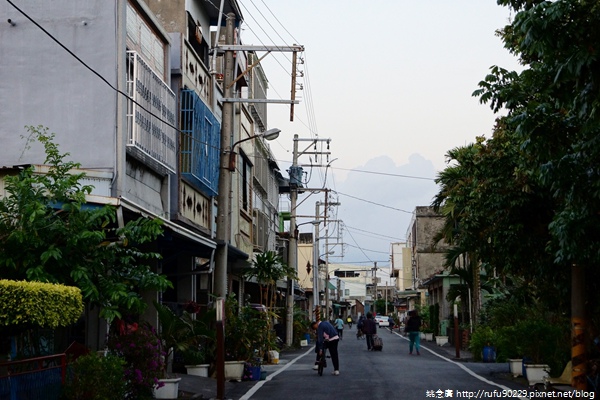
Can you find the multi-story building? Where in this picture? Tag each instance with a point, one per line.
(132, 91)
(427, 257)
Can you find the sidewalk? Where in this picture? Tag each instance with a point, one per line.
(499, 371)
(196, 387)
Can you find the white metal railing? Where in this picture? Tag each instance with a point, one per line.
(150, 138)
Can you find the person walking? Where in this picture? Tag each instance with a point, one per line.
(349, 321)
(327, 336)
(413, 327)
(391, 322)
(369, 328)
(339, 325)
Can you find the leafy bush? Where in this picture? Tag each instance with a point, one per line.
(139, 346)
(37, 304)
(483, 336)
(96, 378)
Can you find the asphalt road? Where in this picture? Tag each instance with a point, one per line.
(389, 374)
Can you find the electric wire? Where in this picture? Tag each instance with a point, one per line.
(377, 204)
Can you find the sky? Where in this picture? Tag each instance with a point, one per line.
(390, 82)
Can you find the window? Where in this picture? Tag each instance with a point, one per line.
(246, 183)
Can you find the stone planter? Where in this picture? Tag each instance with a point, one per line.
(234, 370)
(536, 373)
(198, 370)
(441, 340)
(429, 337)
(170, 390)
(421, 335)
(515, 366)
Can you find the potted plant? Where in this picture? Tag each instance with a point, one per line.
(482, 344)
(543, 345)
(252, 370)
(176, 333)
(267, 269)
(195, 362)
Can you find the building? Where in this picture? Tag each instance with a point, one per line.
(427, 256)
(137, 100)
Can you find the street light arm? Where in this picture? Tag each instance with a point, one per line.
(268, 135)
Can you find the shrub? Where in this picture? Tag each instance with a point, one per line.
(96, 378)
(139, 346)
(483, 336)
(37, 304)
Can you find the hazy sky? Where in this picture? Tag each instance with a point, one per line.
(390, 83)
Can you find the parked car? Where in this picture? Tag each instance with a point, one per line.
(382, 320)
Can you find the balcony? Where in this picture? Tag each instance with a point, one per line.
(151, 137)
(200, 144)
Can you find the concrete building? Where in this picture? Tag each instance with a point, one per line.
(136, 100)
(427, 262)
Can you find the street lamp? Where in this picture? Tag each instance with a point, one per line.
(223, 233)
(271, 134)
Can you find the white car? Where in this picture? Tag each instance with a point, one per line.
(382, 320)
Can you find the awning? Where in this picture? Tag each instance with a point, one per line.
(187, 241)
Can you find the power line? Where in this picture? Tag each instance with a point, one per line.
(385, 173)
(377, 204)
(374, 233)
(372, 251)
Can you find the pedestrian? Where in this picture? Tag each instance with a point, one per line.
(327, 337)
(391, 322)
(349, 321)
(413, 327)
(339, 325)
(360, 323)
(369, 329)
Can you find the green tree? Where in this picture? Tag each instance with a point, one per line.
(49, 234)
(553, 112)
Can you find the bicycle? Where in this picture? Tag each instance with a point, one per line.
(322, 359)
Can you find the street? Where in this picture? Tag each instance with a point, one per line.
(390, 374)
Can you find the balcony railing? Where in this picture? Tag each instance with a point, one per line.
(150, 138)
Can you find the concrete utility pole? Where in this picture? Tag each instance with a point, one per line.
(375, 284)
(316, 297)
(223, 234)
(293, 250)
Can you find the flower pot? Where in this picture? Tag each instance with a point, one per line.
(198, 370)
(429, 336)
(536, 373)
(170, 390)
(234, 370)
(515, 366)
(489, 354)
(441, 340)
(274, 356)
(254, 373)
(422, 335)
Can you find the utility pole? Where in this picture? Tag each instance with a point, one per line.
(375, 285)
(223, 220)
(295, 183)
(316, 297)
(223, 234)
(293, 249)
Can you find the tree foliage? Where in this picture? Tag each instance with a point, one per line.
(526, 200)
(49, 234)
